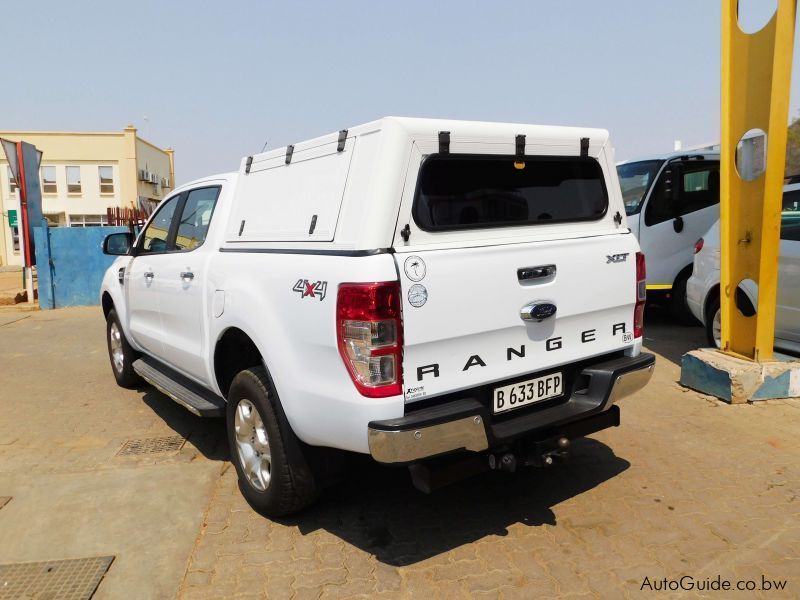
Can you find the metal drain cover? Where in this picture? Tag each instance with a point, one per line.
(74, 579)
(152, 445)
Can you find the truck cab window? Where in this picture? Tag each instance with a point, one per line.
(156, 234)
(196, 217)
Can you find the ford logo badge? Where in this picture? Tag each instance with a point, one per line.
(537, 311)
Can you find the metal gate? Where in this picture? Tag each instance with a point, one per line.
(70, 264)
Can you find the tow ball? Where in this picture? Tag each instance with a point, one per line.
(540, 457)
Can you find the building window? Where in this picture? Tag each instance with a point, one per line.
(15, 239)
(106, 180)
(74, 180)
(49, 180)
(87, 220)
(12, 182)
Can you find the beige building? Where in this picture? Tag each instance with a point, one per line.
(83, 174)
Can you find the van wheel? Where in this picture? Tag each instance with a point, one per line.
(678, 307)
(120, 353)
(274, 476)
(714, 323)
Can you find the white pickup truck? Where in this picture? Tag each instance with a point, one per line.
(447, 295)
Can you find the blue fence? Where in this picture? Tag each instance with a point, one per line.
(76, 264)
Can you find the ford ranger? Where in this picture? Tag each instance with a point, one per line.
(431, 293)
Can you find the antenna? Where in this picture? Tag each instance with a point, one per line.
(264, 147)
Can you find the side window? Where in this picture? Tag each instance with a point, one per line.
(196, 217)
(700, 187)
(790, 216)
(683, 189)
(155, 236)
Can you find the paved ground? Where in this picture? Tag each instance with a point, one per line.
(11, 281)
(686, 486)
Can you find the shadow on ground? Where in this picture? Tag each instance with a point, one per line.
(669, 338)
(378, 510)
(205, 434)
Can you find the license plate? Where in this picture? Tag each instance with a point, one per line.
(527, 392)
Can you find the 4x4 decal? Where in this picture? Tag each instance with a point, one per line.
(313, 289)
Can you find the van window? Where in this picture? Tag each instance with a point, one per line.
(635, 179)
(473, 191)
(697, 188)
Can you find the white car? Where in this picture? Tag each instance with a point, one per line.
(702, 289)
(406, 289)
(670, 200)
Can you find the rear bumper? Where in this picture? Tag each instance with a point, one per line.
(468, 424)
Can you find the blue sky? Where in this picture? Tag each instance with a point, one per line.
(216, 80)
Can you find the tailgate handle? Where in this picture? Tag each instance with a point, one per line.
(528, 273)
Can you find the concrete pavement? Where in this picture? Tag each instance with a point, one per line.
(687, 486)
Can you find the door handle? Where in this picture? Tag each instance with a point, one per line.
(187, 275)
(148, 275)
(541, 272)
(677, 224)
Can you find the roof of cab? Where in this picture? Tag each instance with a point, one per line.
(217, 177)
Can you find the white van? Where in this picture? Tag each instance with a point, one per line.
(671, 200)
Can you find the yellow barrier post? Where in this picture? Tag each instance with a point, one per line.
(756, 72)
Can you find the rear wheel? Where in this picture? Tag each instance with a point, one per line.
(274, 476)
(120, 353)
(678, 307)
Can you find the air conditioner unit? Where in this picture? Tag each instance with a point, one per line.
(143, 175)
(153, 178)
(165, 182)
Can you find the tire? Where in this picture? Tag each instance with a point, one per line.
(712, 313)
(274, 476)
(120, 353)
(678, 307)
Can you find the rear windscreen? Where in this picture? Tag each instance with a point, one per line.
(469, 191)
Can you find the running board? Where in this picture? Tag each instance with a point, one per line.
(185, 392)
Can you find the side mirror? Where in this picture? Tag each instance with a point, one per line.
(118, 244)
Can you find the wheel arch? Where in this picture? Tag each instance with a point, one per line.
(107, 302)
(745, 301)
(713, 292)
(234, 351)
(684, 273)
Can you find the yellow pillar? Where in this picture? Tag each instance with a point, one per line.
(756, 72)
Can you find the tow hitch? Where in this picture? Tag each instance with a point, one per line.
(539, 454)
(543, 454)
(436, 473)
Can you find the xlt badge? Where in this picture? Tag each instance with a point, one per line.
(617, 258)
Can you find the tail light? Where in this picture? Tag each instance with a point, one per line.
(370, 336)
(698, 245)
(641, 295)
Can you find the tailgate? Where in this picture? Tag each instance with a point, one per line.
(462, 309)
